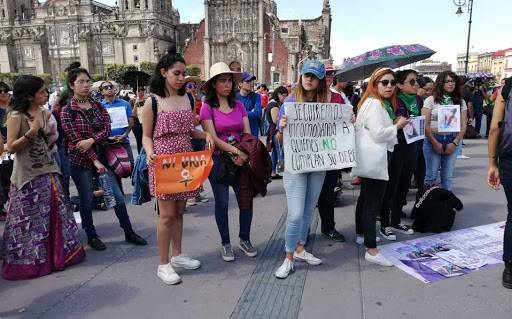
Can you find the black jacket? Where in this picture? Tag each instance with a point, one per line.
(435, 211)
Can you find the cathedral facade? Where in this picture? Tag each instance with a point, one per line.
(44, 37)
(250, 32)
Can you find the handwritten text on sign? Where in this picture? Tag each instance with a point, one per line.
(318, 137)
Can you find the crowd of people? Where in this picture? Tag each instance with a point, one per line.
(73, 136)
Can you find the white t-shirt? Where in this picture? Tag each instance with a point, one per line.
(432, 106)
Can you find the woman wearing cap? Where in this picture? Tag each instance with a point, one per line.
(225, 118)
(168, 132)
(374, 113)
(302, 190)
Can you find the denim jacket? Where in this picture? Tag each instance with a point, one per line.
(140, 180)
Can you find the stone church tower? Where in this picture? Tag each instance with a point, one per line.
(250, 32)
(44, 37)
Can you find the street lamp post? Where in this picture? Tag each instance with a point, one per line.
(460, 4)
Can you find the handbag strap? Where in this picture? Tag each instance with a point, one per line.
(154, 107)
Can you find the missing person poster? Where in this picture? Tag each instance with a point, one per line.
(415, 130)
(448, 118)
(318, 137)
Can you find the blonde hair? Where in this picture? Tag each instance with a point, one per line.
(372, 91)
(321, 93)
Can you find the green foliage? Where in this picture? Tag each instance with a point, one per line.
(192, 70)
(9, 78)
(148, 67)
(115, 72)
(97, 77)
(47, 78)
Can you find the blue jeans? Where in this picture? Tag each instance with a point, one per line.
(507, 236)
(221, 196)
(82, 177)
(302, 192)
(433, 161)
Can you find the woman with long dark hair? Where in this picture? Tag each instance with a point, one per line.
(226, 120)
(376, 114)
(404, 159)
(41, 235)
(271, 112)
(173, 127)
(87, 126)
(441, 149)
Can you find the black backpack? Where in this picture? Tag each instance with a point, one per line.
(435, 211)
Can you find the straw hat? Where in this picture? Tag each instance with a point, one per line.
(193, 78)
(222, 68)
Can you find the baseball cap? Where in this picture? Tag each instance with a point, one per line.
(248, 77)
(314, 67)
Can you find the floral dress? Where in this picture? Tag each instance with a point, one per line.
(172, 135)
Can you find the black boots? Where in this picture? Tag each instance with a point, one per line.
(507, 275)
(131, 237)
(96, 243)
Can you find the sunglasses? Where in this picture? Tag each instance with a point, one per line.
(388, 82)
(413, 82)
(107, 87)
(191, 86)
(3, 91)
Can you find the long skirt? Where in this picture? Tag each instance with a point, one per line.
(41, 235)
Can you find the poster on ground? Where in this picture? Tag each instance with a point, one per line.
(118, 118)
(318, 137)
(448, 118)
(441, 256)
(415, 130)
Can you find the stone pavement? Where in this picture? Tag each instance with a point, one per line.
(121, 282)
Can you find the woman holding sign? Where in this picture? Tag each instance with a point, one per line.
(169, 132)
(226, 120)
(376, 136)
(303, 189)
(405, 157)
(443, 142)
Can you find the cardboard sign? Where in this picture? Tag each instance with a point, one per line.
(318, 137)
(182, 172)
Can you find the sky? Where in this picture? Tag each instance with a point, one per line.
(360, 26)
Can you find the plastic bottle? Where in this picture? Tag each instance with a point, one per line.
(108, 193)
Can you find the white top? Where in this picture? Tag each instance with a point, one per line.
(375, 118)
(433, 106)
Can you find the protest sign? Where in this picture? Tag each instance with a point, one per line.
(450, 254)
(118, 118)
(448, 118)
(182, 172)
(415, 130)
(318, 137)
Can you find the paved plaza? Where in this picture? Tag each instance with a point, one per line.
(121, 281)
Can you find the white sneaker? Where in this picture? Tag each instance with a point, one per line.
(191, 202)
(183, 261)
(284, 270)
(378, 259)
(202, 198)
(168, 275)
(360, 239)
(307, 257)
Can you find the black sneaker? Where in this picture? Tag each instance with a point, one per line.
(96, 243)
(131, 237)
(335, 235)
(403, 229)
(387, 233)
